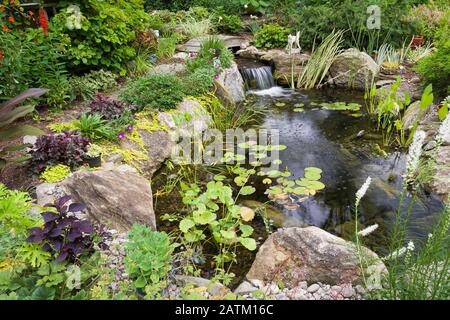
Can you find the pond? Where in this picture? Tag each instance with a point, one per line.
(348, 149)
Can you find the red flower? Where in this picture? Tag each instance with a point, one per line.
(11, 19)
(43, 22)
(30, 12)
(5, 28)
(2, 8)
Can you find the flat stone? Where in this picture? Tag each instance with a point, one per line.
(172, 69)
(313, 288)
(347, 292)
(236, 42)
(245, 288)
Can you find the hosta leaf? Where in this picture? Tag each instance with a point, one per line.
(248, 243)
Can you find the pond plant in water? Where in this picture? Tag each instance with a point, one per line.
(389, 110)
(416, 270)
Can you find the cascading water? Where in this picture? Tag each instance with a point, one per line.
(259, 78)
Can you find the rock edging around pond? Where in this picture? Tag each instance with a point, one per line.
(295, 255)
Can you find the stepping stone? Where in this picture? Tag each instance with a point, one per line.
(194, 44)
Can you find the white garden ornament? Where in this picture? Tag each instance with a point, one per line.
(294, 44)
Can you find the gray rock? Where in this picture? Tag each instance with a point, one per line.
(115, 198)
(245, 288)
(313, 288)
(353, 69)
(257, 283)
(430, 145)
(347, 292)
(172, 69)
(29, 140)
(214, 288)
(45, 193)
(310, 254)
(232, 82)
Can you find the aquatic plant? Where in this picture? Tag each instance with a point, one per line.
(321, 60)
(341, 106)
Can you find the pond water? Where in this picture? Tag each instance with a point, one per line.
(347, 148)
(328, 139)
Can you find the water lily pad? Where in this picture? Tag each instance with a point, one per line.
(301, 191)
(280, 104)
(299, 110)
(341, 106)
(312, 175)
(299, 105)
(313, 169)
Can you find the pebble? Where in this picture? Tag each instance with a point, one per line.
(347, 292)
(313, 288)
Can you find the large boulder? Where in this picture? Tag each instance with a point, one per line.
(232, 82)
(293, 255)
(283, 63)
(159, 145)
(440, 183)
(116, 198)
(353, 69)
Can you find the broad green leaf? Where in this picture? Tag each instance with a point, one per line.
(443, 112)
(186, 224)
(228, 234)
(246, 230)
(248, 243)
(247, 190)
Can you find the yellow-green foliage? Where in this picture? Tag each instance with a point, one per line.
(63, 126)
(55, 174)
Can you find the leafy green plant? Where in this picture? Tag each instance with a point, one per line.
(438, 60)
(193, 27)
(95, 128)
(255, 6)
(114, 23)
(148, 259)
(271, 36)
(159, 92)
(213, 54)
(227, 23)
(199, 82)
(321, 60)
(55, 174)
(14, 212)
(166, 47)
(85, 87)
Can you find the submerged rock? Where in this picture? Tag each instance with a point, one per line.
(116, 198)
(353, 69)
(278, 218)
(293, 255)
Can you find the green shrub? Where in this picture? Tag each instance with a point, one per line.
(213, 54)
(199, 82)
(272, 36)
(14, 212)
(148, 259)
(435, 69)
(316, 19)
(32, 60)
(227, 23)
(166, 47)
(105, 39)
(159, 92)
(85, 87)
(55, 174)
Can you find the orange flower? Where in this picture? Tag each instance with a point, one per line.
(11, 19)
(5, 28)
(2, 8)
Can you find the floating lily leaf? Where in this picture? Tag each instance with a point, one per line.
(300, 191)
(267, 181)
(315, 185)
(275, 190)
(247, 190)
(313, 169)
(299, 110)
(280, 104)
(311, 175)
(341, 106)
(299, 105)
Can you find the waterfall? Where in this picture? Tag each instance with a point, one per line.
(258, 78)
